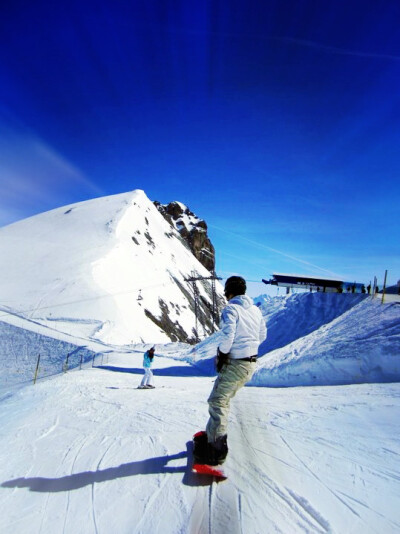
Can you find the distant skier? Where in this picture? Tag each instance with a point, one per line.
(148, 380)
(243, 329)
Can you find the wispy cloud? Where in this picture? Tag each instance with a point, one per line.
(337, 50)
(262, 246)
(35, 177)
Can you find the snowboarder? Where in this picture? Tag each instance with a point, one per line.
(148, 381)
(243, 329)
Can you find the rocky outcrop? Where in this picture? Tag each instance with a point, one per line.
(172, 328)
(192, 229)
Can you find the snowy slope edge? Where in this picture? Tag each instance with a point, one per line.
(362, 345)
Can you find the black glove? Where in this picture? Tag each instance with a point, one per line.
(220, 360)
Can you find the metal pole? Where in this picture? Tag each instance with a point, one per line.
(213, 302)
(196, 309)
(66, 364)
(384, 288)
(37, 369)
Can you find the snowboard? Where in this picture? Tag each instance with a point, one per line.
(200, 457)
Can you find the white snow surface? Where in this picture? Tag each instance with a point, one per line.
(294, 316)
(360, 345)
(92, 269)
(87, 452)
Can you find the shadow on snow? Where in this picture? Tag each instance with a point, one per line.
(168, 371)
(151, 466)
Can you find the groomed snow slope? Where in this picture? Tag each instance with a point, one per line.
(88, 453)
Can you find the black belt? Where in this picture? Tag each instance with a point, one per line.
(249, 359)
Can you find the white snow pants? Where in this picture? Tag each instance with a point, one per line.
(147, 380)
(231, 378)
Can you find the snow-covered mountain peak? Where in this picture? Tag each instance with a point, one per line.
(110, 268)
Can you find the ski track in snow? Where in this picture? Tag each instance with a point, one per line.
(274, 490)
(301, 500)
(97, 455)
(66, 514)
(309, 516)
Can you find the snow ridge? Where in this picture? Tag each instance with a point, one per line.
(114, 263)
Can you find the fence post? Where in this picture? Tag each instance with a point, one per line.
(37, 369)
(384, 288)
(80, 365)
(66, 364)
(94, 356)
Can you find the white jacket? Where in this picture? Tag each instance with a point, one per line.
(243, 328)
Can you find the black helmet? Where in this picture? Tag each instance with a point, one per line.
(235, 285)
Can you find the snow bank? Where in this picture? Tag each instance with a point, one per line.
(362, 345)
(292, 317)
(202, 356)
(359, 345)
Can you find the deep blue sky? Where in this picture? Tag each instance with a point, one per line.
(276, 121)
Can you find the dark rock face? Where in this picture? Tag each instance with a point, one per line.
(192, 229)
(173, 329)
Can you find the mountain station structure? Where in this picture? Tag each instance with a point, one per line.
(312, 283)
